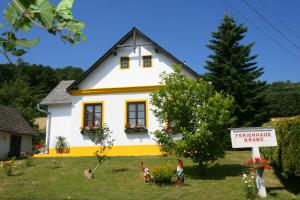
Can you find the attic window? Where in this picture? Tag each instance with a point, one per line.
(147, 61)
(124, 62)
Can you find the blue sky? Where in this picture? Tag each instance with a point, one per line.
(181, 27)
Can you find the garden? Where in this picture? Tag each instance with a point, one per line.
(122, 178)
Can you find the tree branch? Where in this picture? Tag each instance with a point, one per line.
(32, 20)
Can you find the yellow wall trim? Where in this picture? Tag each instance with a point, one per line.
(114, 90)
(132, 150)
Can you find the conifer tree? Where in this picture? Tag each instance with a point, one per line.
(232, 69)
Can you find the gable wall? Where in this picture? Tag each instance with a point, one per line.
(60, 122)
(109, 74)
(4, 145)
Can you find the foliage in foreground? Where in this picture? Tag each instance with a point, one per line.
(286, 156)
(232, 69)
(195, 109)
(24, 14)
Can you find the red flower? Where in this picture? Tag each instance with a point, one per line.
(257, 159)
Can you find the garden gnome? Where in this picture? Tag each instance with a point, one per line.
(146, 173)
(179, 172)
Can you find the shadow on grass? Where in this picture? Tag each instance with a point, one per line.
(291, 184)
(215, 172)
(119, 170)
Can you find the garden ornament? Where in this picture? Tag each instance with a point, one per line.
(146, 173)
(89, 174)
(179, 172)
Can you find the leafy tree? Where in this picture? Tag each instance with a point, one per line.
(196, 110)
(24, 14)
(18, 94)
(68, 73)
(284, 99)
(23, 85)
(233, 70)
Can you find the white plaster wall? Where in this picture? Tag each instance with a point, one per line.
(4, 145)
(60, 122)
(26, 144)
(109, 74)
(114, 117)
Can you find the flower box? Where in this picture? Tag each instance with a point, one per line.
(136, 129)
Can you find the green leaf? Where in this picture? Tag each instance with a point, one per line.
(11, 14)
(18, 52)
(75, 25)
(1, 25)
(27, 43)
(64, 9)
(24, 24)
(61, 25)
(45, 12)
(83, 37)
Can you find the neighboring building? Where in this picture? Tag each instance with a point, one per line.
(115, 91)
(41, 123)
(15, 133)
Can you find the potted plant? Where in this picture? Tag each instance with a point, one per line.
(61, 144)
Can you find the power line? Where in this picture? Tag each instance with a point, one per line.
(273, 26)
(263, 32)
(279, 19)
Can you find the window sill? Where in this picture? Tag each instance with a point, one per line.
(139, 130)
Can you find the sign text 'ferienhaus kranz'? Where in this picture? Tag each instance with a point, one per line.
(253, 137)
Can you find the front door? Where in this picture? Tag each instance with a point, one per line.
(15, 146)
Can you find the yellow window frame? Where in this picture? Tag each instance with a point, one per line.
(92, 102)
(121, 62)
(136, 101)
(143, 58)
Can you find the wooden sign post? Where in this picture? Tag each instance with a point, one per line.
(254, 138)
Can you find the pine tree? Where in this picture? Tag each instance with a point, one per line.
(233, 70)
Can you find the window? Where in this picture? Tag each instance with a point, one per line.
(147, 61)
(136, 114)
(124, 62)
(92, 115)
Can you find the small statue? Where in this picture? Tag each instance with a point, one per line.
(179, 172)
(146, 173)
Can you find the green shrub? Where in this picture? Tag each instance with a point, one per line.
(163, 174)
(249, 183)
(285, 158)
(9, 167)
(195, 109)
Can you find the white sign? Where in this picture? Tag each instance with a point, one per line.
(253, 137)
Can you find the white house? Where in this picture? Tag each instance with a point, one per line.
(15, 133)
(115, 91)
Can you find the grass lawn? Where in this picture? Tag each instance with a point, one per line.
(121, 178)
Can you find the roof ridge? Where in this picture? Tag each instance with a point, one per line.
(75, 84)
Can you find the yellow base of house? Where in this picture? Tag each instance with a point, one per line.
(134, 150)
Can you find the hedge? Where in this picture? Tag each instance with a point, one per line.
(285, 158)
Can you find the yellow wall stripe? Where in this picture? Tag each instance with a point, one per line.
(132, 150)
(114, 90)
